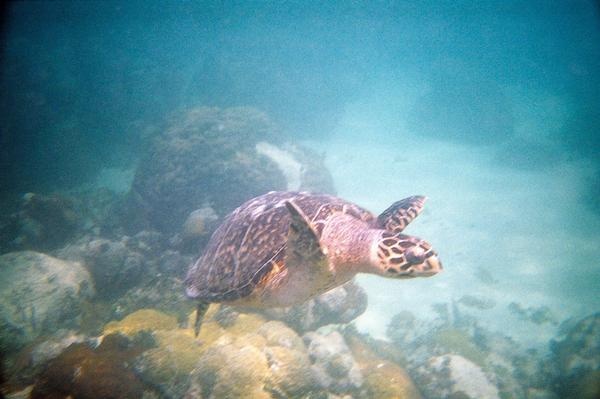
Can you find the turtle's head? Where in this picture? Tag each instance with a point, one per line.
(403, 256)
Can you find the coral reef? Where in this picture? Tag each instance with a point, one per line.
(161, 292)
(383, 379)
(455, 342)
(42, 222)
(537, 315)
(451, 375)
(232, 370)
(332, 362)
(577, 358)
(39, 295)
(250, 357)
(168, 366)
(83, 372)
(270, 361)
(209, 157)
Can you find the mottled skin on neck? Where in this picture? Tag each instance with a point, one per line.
(350, 246)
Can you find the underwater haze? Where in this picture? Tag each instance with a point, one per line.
(130, 130)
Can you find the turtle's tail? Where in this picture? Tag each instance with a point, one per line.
(201, 309)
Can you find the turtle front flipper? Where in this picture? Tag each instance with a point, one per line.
(201, 309)
(401, 213)
(303, 246)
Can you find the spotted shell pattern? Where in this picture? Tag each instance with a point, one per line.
(251, 242)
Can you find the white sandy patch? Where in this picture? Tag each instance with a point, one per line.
(524, 228)
(287, 164)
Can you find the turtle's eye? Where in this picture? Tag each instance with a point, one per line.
(415, 255)
(404, 257)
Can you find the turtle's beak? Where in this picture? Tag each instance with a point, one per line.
(422, 262)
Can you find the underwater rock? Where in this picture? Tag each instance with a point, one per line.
(454, 340)
(278, 334)
(290, 375)
(173, 264)
(512, 369)
(387, 380)
(538, 315)
(168, 366)
(232, 370)
(164, 293)
(248, 358)
(340, 305)
(577, 357)
(453, 375)
(383, 379)
(332, 362)
(477, 302)
(245, 366)
(114, 266)
(209, 157)
(43, 222)
(39, 295)
(83, 372)
(401, 328)
(197, 228)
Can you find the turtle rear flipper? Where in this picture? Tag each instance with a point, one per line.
(201, 309)
(401, 213)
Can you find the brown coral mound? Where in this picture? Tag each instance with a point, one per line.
(82, 372)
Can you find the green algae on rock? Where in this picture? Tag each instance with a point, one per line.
(40, 294)
(167, 367)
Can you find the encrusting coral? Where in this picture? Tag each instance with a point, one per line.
(383, 379)
(141, 320)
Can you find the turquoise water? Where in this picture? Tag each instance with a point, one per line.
(490, 109)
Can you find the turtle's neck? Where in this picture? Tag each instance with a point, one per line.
(348, 242)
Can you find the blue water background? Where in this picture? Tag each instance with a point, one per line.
(492, 109)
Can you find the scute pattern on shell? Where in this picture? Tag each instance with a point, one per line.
(244, 249)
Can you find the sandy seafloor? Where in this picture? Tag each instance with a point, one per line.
(524, 229)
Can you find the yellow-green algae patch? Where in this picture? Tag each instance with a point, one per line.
(141, 320)
(382, 379)
(169, 364)
(459, 342)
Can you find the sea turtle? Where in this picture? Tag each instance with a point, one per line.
(283, 248)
